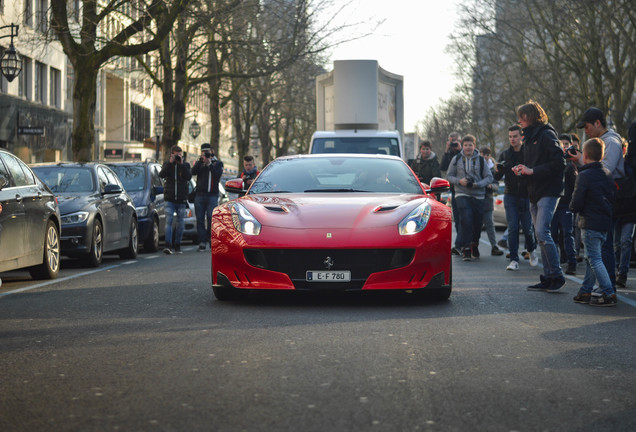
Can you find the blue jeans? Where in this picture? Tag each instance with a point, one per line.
(470, 219)
(595, 270)
(607, 252)
(563, 219)
(203, 206)
(518, 212)
(623, 237)
(180, 209)
(489, 225)
(542, 213)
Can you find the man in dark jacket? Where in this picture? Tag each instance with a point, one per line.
(176, 174)
(543, 165)
(208, 170)
(592, 199)
(426, 165)
(516, 201)
(563, 219)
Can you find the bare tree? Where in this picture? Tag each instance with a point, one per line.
(143, 25)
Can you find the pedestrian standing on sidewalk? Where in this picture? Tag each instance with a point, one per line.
(592, 198)
(208, 170)
(489, 205)
(543, 166)
(176, 174)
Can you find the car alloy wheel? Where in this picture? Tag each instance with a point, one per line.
(152, 242)
(50, 266)
(94, 257)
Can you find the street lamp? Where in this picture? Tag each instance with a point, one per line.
(158, 126)
(10, 63)
(194, 129)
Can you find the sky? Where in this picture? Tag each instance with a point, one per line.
(411, 42)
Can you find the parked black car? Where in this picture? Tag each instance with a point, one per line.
(142, 182)
(97, 214)
(29, 221)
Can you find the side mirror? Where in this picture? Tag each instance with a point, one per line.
(3, 181)
(112, 189)
(235, 186)
(438, 185)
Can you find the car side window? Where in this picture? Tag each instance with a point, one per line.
(112, 177)
(19, 177)
(4, 172)
(103, 179)
(30, 178)
(154, 176)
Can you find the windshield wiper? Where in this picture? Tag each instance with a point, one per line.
(335, 190)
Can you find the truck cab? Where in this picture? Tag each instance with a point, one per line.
(357, 141)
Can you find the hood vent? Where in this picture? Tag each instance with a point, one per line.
(385, 208)
(278, 209)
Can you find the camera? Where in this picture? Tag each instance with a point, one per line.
(470, 181)
(501, 165)
(177, 158)
(571, 151)
(454, 144)
(208, 154)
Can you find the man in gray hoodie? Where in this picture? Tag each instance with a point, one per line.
(469, 173)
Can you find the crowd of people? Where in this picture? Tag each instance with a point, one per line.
(573, 201)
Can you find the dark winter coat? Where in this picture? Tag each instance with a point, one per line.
(515, 185)
(569, 177)
(593, 197)
(426, 169)
(208, 177)
(542, 151)
(176, 177)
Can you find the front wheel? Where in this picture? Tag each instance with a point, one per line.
(50, 266)
(94, 257)
(130, 252)
(152, 242)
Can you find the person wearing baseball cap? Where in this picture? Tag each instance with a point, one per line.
(594, 124)
(208, 170)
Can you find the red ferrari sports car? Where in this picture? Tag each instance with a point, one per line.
(333, 222)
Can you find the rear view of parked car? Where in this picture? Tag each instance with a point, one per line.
(29, 221)
(97, 214)
(141, 181)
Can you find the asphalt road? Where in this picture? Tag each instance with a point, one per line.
(144, 346)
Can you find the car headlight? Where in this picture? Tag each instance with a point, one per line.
(416, 220)
(75, 218)
(243, 220)
(142, 211)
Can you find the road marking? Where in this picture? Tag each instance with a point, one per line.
(43, 284)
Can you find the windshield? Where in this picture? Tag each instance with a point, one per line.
(66, 179)
(336, 174)
(356, 145)
(132, 177)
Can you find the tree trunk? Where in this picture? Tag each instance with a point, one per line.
(84, 101)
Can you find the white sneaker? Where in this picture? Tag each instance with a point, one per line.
(534, 258)
(513, 266)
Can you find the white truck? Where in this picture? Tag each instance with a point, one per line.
(359, 109)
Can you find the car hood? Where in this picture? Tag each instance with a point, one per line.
(319, 210)
(71, 203)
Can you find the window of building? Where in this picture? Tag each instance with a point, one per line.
(41, 22)
(40, 82)
(28, 13)
(25, 88)
(70, 79)
(139, 122)
(55, 84)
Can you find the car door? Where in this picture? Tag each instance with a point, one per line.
(36, 211)
(12, 217)
(160, 203)
(121, 202)
(109, 206)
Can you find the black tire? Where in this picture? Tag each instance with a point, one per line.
(152, 242)
(50, 266)
(130, 251)
(94, 257)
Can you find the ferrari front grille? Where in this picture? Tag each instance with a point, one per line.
(361, 262)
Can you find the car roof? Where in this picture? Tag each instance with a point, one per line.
(348, 133)
(65, 164)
